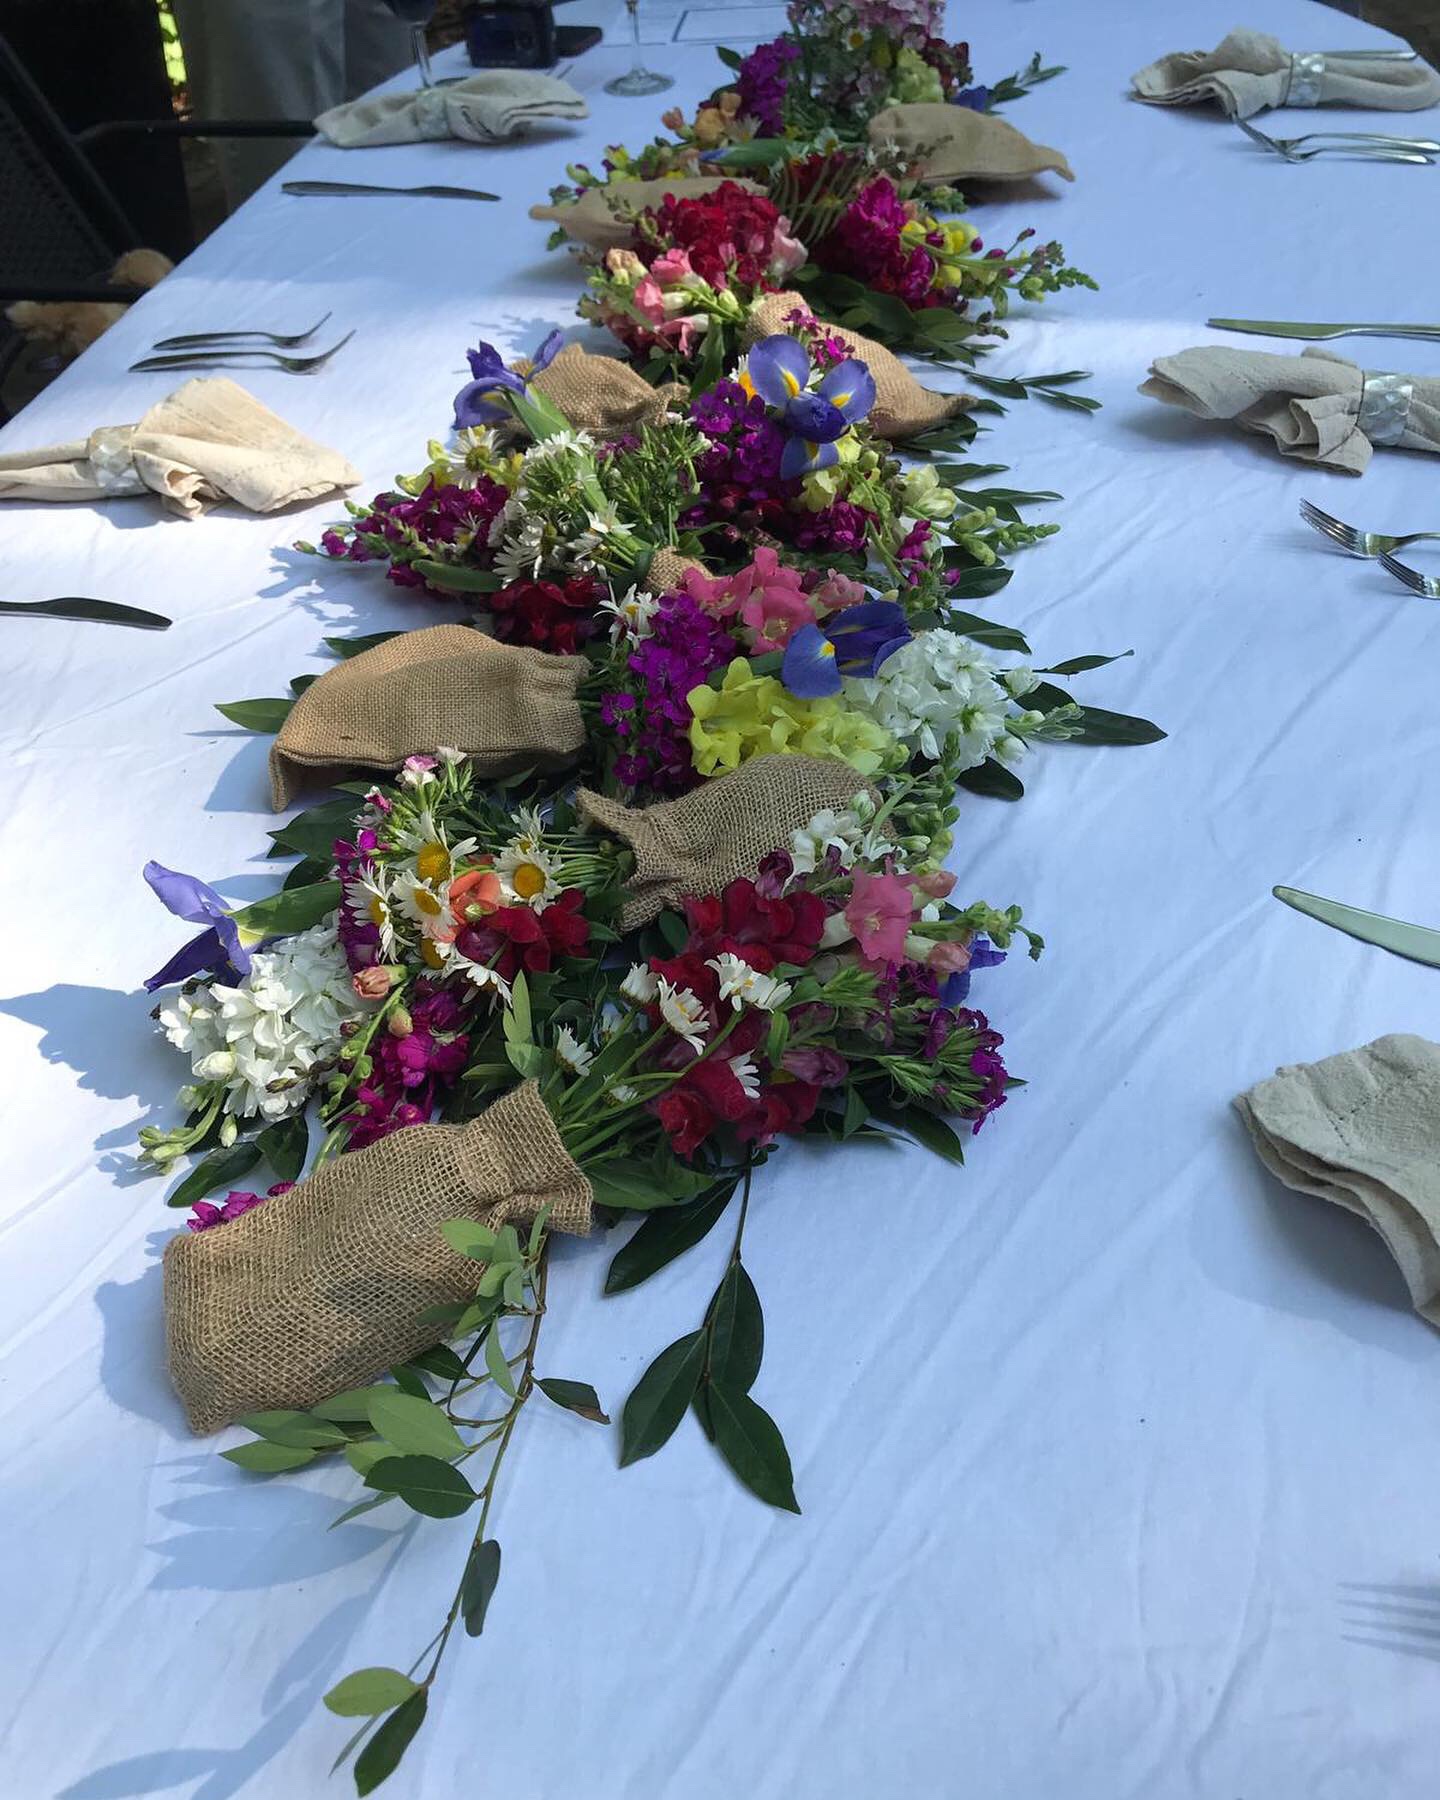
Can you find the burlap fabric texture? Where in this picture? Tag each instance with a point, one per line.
(956, 144)
(668, 567)
(902, 407)
(323, 1288)
(604, 396)
(592, 218)
(506, 706)
(720, 831)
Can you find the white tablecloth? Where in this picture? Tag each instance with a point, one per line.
(1119, 1464)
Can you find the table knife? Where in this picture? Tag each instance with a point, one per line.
(431, 192)
(99, 612)
(1417, 942)
(1289, 329)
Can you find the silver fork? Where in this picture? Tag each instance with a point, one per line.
(281, 340)
(1411, 578)
(1351, 538)
(1375, 146)
(221, 358)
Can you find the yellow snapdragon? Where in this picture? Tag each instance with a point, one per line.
(756, 715)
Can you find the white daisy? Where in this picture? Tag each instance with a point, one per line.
(480, 974)
(571, 1052)
(684, 1013)
(743, 986)
(369, 902)
(744, 1071)
(630, 617)
(527, 875)
(421, 903)
(640, 984)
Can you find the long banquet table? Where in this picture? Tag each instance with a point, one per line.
(1118, 1463)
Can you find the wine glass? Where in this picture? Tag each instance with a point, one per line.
(416, 14)
(639, 80)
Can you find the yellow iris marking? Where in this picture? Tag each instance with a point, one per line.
(841, 400)
(827, 648)
(814, 449)
(528, 881)
(792, 386)
(432, 862)
(747, 383)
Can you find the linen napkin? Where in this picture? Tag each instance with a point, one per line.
(1316, 406)
(955, 143)
(1250, 71)
(482, 109)
(593, 219)
(209, 441)
(1363, 1129)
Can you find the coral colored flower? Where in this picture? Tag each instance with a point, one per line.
(948, 957)
(475, 894)
(878, 912)
(373, 983)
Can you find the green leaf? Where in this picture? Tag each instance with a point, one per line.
(674, 930)
(256, 715)
(737, 1332)
(1077, 665)
(292, 910)
(994, 637)
(363, 1456)
(360, 1506)
(370, 1691)
(220, 1167)
(313, 832)
(857, 1111)
(477, 1584)
(664, 1236)
(732, 59)
(518, 1026)
(574, 1396)
(298, 1430)
(527, 1060)
(349, 1408)
(976, 584)
(1075, 402)
(1100, 727)
(416, 1427)
(993, 780)
(658, 1401)
(425, 1484)
(262, 1458)
(382, 1754)
(440, 1360)
(750, 1441)
(299, 683)
(409, 1381)
(357, 646)
(496, 1364)
(455, 579)
(630, 1184)
(284, 1145)
(930, 1131)
(469, 1238)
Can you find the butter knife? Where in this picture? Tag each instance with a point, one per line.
(1417, 942)
(431, 192)
(99, 612)
(1289, 329)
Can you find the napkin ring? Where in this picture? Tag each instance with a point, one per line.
(1385, 407)
(431, 119)
(111, 463)
(1302, 85)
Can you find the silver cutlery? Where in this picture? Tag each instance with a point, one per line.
(98, 612)
(1355, 541)
(222, 358)
(190, 339)
(1418, 942)
(430, 192)
(1370, 55)
(1371, 145)
(1425, 585)
(1288, 328)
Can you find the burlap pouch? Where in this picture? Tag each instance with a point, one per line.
(720, 831)
(955, 143)
(592, 219)
(323, 1288)
(506, 706)
(666, 574)
(604, 396)
(902, 407)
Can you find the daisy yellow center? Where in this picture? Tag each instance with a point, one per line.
(376, 910)
(432, 862)
(426, 902)
(528, 881)
(431, 953)
(747, 383)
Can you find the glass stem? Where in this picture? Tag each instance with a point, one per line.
(637, 61)
(422, 55)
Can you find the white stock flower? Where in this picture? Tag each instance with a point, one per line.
(684, 1014)
(640, 984)
(935, 687)
(827, 830)
(1020, 681)
(742, 985)
(571, 1052)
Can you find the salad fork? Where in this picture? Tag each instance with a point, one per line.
(1376, 146)
(1351, 538)
(1426, 585)
(282, 341)
(222, 358)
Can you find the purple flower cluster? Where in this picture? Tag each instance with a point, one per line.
(401, 530)
(865, 242)
(763, 79)
(234, 1206)
(411, 1073)
(652, 718)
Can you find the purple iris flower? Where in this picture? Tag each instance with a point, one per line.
(779, 371)
(956, 988)
(976, 98)
(217, 947)
(853, 642)
(490, 376)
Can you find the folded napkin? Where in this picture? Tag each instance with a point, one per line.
(602, 216)
(1316, 406)
(210, 441)
(482, 109)
(1250, 71)
(1363, 1129)
(956, 143)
